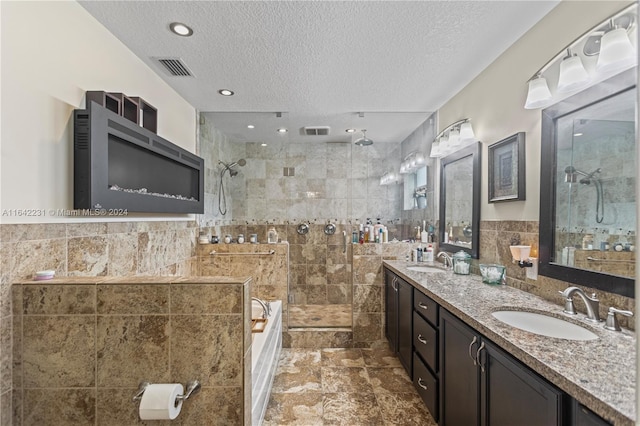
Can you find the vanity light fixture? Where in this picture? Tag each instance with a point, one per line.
(572, 76)
(251, 126)
(180, 29)
(226, 92)
(603, 51)
(452, 138)
(412, 162)
(616, 50)
(388, 178)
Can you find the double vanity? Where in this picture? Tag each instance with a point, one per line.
(483, 354)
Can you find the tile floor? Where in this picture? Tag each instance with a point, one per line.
(354, 387)
(320, 315)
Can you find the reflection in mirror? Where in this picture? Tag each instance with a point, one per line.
(590, 236)
(415, 189)
(460, 201)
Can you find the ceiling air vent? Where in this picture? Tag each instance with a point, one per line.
(317, 131)
(175, 67)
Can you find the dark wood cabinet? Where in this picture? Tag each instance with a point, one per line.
(391, 310)
(405, 325)
(463, 377)
(398, 318)
(483, 385)
(459, 372)
(582, 416)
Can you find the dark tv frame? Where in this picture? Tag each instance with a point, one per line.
(92, 129)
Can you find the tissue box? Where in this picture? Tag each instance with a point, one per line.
(492, 274)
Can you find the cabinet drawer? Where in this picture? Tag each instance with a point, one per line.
(427, 386)
(425, 341)
(426, 307)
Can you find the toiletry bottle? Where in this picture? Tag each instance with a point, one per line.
(361, 234)
(381, 235)
(385, 233)
(446, 236)
(272, 236)
(419, 254)
(354, 237)
(428, 257)
(376, 231)
(424, 236)
(372, 235)
(418, 234)
(366, 230)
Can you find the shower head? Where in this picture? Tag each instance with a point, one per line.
(229, 166)
(241, 162)
(571, 172)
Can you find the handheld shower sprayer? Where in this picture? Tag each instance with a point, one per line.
(227, 167)
(571, 177)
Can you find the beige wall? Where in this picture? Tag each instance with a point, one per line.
(494, 100)
(52, 52)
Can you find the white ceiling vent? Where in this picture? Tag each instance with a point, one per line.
(317, 131)
(175, 67)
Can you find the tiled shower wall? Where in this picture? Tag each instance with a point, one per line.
(337, 182)
(80, 249)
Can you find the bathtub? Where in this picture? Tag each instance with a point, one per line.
(265, 352)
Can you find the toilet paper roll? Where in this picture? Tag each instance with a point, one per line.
(159, 401)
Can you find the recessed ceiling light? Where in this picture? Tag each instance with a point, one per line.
(263, 144)
(251, 126)
(350, 130)
(226, 92)
(577, 134)
(282, 130)
(180, 29)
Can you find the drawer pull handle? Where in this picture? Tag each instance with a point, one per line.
(422, 339)
(420, 383)
(423, 306)
(473, 342)
(478, 359)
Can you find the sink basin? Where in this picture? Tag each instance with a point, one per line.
(424, 269)
(544, 325)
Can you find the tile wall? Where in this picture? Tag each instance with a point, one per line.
(88, 342)
(269, 272)
(79, 249)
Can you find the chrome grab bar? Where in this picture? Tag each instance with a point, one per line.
(259, 253)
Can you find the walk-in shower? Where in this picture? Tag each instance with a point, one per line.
(227, 167)
(588, 178)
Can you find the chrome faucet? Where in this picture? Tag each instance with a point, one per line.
(447, 259)
(266, 307)
(592, 303)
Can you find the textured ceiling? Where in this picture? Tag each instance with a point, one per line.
(322, 62)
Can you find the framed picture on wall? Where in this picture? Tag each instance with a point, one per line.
(507, 170)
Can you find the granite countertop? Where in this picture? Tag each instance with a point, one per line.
(600, 373)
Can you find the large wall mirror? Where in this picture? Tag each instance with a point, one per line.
(460, 201)
(588, 187)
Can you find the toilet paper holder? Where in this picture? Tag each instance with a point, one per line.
(192, 388)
